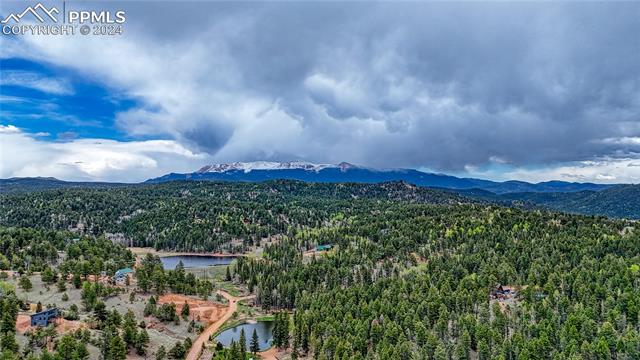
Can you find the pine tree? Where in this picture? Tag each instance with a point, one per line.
(107, 334)
(66, 346)
(129, 334)
(161, 353)
(100, 311)
(77, 282)
(484, 353)
(142, 341)
(233, 350)
(255, 342)
(62, 286)
(242, 345)
(81, 351)
(117, 348)
(285, 329)
(8, 342)
(185, 310)
(8, 323)
(25, 283)
(48, 276)
(177, 351)
(440, 353)
(276, 330)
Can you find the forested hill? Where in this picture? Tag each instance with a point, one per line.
(204, 216)
(22, 184)
(410, 275)
(621, 201)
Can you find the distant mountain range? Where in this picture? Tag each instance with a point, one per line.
(621, 201)
(584, 198)
(345, 172)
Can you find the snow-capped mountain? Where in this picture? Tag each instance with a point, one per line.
(344, 172)
(264, 165)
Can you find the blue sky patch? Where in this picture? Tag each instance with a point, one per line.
(51, 100)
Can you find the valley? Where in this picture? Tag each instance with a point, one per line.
(389, 270)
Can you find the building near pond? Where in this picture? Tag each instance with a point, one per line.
(122, 274)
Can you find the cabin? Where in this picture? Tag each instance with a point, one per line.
(501, 292)
(323, 247)
(122, 274)
(44, 318)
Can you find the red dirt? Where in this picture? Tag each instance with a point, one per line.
(23, 323)
(64, 326)
(156, 325)
(271, 354)
(205, 311)
(9, 273)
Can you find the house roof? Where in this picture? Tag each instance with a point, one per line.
(46, 312)
(124, 271)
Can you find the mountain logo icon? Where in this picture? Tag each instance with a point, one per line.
(36, 12)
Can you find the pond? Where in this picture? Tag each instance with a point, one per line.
(263, 328)
(195, 261)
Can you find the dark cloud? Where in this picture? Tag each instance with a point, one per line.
(207, 138)
(438, 85)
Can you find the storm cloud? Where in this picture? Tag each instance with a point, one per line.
(452, 87)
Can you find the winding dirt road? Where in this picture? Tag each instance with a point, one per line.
(194, 352)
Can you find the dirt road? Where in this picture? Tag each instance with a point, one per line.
(194, 352)
(271, 354)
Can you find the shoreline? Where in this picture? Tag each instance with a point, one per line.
(139, 251)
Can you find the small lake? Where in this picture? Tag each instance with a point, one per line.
(195, 261)
(263, 328)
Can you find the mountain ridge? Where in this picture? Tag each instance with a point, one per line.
(619, 201)
(346, 172)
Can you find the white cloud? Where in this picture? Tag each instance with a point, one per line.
(32, 80)
(9, 129)
(626, 140)
(608, 171)
(23, 154)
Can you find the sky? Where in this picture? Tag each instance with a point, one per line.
(529, 91)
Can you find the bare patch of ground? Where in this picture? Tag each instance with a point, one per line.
(272, 354)
(64, 326)
(166, 334)
(23, 323)
(201, 310)
(507, 300)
